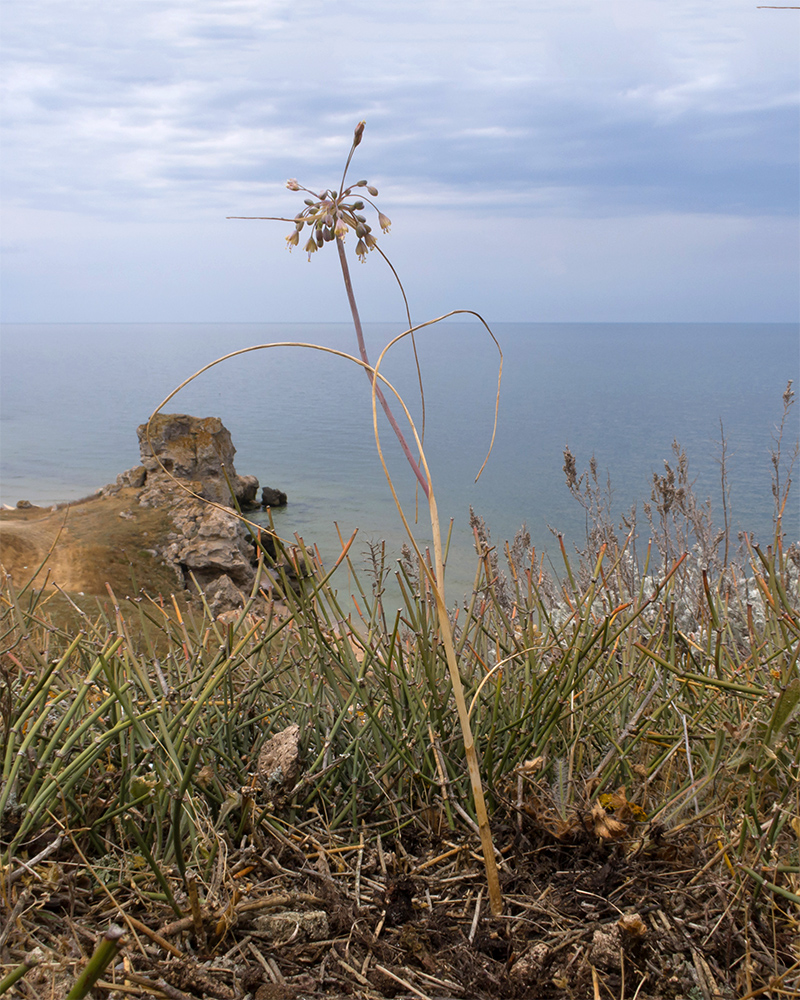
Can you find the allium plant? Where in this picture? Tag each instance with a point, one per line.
(331, 216)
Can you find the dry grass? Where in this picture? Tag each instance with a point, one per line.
(640, 748)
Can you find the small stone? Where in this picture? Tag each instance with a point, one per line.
(291, 924)
(279, 762)
(606, 947)
(632, 928)
(134, 478)
(528, 968)
(223, 595)
(272, 498)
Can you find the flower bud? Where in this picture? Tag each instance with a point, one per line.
(385, 222)
(292, 185)
(360, 184)
(327, 234)
(309, 201)
(358, 134)
(373, 191)
(361, 232)
(358, 205)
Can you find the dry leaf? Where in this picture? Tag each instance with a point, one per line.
(624, 810)
(632, 926)
(604, 826)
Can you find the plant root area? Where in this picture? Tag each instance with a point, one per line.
(299, 913)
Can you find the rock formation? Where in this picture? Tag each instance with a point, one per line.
(208, 548)
(148, 512)
(272, 498)
(194, 449)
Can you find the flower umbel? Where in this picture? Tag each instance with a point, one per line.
(331, 214)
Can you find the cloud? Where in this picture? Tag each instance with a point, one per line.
(669, 267)
(184, 111)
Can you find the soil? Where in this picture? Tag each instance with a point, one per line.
(295, 913)
(81, 547)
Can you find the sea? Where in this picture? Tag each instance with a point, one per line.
(72, 396)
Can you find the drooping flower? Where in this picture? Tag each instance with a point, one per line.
(331, 213)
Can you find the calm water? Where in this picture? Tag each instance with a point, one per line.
(73, 395)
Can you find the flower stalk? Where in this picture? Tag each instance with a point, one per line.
(331, 216)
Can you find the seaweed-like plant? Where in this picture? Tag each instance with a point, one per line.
(331, 215)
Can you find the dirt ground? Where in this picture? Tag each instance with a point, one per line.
(84, 545)
(302, 914)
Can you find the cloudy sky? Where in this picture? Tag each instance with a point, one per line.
(551, 160)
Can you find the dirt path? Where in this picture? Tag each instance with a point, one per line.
(83, 546)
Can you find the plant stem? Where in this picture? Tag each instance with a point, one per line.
(362, 347)
(29, 961)
(473, 766)
(107, 948)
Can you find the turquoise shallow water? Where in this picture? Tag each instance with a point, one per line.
(72, 396)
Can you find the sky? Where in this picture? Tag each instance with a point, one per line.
(578, 160)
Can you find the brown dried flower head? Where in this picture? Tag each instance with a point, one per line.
(332, 214)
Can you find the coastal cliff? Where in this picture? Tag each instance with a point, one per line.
(145, 531)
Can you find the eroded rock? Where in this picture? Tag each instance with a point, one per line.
(210, 548)
(279, 763)
(209, 542)
(197, 449)
(177, 538)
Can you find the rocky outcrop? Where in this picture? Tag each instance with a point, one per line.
(272, 498)
(147, 515)
(194, 449)
(208, 548)
(208, 543)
